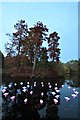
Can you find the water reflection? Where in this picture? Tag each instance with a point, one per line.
(69, 106)
(39, 100)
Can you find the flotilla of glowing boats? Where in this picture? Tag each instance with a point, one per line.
(25, 89)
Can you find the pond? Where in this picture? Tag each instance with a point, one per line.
(41, 100)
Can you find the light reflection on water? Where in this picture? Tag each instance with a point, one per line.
(51, 107)
(68, 109)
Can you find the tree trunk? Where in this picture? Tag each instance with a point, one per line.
(34, 62)
(34, 65)
(18, 54)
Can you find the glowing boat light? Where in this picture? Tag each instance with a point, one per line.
(50, 86)
(55, 84)
(57, 91)
(62, 86)
(74, 95)
(21, 83)
(4, 87)
(24, 90)
(3, 90)
(57, 96)
(67, 98)
(53, 93)
(42, 94)
(42, 85)
(41, 101)
(55, 101)
(18, 91)
(56, 88)
(34, 84)
(74, 89)
(28, 86)
(24, 87)
(76, 92)
(69, 87)
(12, 98)
(31, 92)
(5, 94)
(27, 82)
(48, 83)
(25, 100)
(10, 85)
(15, 84)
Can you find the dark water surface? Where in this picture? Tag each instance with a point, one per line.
(40, 100)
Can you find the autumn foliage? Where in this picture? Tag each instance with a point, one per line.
(26, 45)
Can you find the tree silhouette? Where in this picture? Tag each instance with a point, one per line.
(54, 51)
(37, 36)
(28, 44)
(15, 46)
